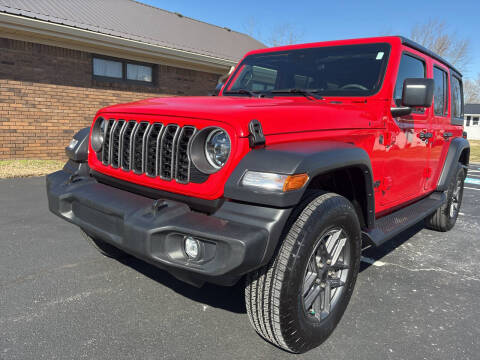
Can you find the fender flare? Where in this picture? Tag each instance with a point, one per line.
(79, 152)
(455, 150)
(311, 157)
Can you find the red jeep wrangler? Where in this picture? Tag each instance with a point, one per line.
(307, 152)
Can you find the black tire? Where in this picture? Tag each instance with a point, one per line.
(274, 294)
(104, 248)
(446, 216)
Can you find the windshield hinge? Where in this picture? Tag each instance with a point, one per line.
(256, 137)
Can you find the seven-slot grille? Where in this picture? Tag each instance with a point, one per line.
(153, 149)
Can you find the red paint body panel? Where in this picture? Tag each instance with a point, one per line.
(406, 167)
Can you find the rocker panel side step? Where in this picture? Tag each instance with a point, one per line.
(393, 224)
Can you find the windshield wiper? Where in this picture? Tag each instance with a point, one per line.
(241, 92)
(305, 92)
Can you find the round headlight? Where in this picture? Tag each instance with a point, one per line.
(217, 148)
(98, 132)
(209, 149)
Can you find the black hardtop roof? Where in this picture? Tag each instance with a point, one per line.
(421, 48)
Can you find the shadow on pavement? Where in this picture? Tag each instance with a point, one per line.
(390, 245)
(232, 298)
(223, 297)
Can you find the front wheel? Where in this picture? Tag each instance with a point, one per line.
(297, 300)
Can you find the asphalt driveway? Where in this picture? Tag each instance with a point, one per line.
(417, 297)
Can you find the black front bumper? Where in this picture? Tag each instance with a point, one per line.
(236, 239)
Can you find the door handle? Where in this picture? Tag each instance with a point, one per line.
(447, 135)
(425, 135)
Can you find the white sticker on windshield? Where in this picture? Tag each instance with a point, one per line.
(380, 55)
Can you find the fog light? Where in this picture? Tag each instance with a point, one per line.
(192, 247)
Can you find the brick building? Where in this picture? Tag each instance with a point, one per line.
(60, 61)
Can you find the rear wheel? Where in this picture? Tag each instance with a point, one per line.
(297, 300)
(446, 216)
(103, 247)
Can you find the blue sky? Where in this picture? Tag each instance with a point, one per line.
(328, 20)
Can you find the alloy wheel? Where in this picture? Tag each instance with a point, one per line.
(326, 273)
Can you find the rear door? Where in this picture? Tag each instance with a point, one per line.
(407, 149)
(439, 125)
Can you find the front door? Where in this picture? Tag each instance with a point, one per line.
(407, 141)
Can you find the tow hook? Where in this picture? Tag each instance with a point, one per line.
(75, 177)
(158, 205)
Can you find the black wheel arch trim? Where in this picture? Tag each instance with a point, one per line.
(79, 152)
(457, 147)
(311, 157)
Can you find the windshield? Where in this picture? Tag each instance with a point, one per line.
(348, 70)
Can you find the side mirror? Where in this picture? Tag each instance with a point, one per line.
(417, 92)
(218, 88)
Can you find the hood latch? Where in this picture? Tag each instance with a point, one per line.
(256, 137)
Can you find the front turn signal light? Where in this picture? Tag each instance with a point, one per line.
(273, 182)
(295, 182)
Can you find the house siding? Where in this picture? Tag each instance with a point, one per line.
(471, 126)
(48, 93)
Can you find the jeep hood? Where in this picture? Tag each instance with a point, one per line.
(277, 115)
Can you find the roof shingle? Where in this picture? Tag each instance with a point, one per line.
(472, 109)
(132, 20)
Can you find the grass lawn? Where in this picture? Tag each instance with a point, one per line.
(25, 168)
(474, 151)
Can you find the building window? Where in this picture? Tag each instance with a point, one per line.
(139, 72)
(107, 68)
(468, 120)
(475, 121)
(122, 70)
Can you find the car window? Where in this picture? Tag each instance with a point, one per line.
(410, 67)
(440, 99)
(457, 102)
(257, 78)
(347, 70)
(303, 81)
